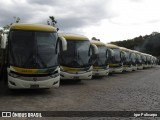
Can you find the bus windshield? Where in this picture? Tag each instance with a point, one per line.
(139, 58)
(32, 49)
(102, 56)
(133, 57)
(144, 60)
(117, 54)
(127, 57)
(77, 54)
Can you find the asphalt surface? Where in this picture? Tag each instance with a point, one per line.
(133, 91)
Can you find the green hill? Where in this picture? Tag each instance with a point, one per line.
(147, 44)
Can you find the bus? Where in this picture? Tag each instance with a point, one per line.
(147, 63)
(133, 60)
(155, 61)
(139, 60)
(115, 63)
(144, 60)
(149, 58)
(77, 62)
(100, 67)
(152, 61)
(31, 56)
(127, 63)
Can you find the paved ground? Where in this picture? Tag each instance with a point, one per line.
(134, 91)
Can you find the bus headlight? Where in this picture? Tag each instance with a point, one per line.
(12, 74)
(61, 68)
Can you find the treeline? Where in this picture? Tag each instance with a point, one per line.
(147, 44)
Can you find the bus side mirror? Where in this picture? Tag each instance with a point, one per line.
(3, 41)
(94, 48)
(63, 43)
(107, 53)
(93, 53)
(111, 52)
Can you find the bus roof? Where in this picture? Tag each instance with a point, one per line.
(73, 36)
(112, 46)
(137, 52)
(124, 49)
(98, 43)
(128, 50)
(33, 27)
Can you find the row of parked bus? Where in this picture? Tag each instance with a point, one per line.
(37, 56)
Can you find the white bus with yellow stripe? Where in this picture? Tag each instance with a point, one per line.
(76, 63)
(146, 59)
(133, 59)
(127, 63)
(149, 58)
(115, 63)
(154, 61)
(32, 56)
(139, 60)
(100, 67)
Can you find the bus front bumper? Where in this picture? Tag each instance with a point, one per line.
(140, 67)
(145, 66)
(76, 76)
(128, 69)
(33, 82)
(115, 69)
(134, 68)
(100, 72)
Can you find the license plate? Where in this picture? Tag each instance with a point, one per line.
(34, 86)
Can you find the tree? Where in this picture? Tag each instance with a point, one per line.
(94, 38)
(6, 27)
(16, 19)
(149, 44)
(53, 21)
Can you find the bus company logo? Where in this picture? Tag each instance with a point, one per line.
(34, 79)
(6, 114)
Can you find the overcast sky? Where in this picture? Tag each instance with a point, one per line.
(108, 20)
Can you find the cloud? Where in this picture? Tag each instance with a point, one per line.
(43, 2)
(27, 12)
(105, 19)
(78, 15)
(136, 0)
(71, 14)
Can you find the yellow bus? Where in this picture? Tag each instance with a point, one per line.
(127, 63)
(144, 60)
(115, 63)
(139, 60)
(155, 61)
(147, 59)
(76, 63)
(133, 60)
(31, 61)
(100, 67)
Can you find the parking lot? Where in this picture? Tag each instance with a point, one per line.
(133, 91)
